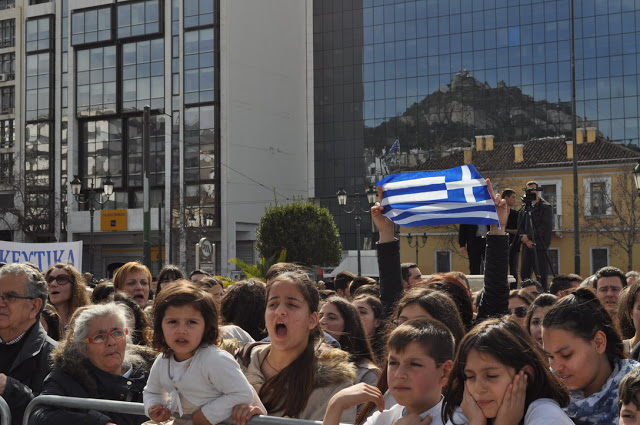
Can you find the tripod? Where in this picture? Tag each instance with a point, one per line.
(534, 251)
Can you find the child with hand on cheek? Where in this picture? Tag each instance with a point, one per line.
(419, 361)
(500, 377)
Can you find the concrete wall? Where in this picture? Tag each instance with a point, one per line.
(266, 142)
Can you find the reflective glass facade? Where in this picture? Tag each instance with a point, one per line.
(432, 74)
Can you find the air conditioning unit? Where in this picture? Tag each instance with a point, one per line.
(4, 77)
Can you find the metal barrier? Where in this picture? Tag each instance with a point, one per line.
(83, 403)
(5, 413)
(128, 408)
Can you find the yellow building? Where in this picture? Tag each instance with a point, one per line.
(607, 199)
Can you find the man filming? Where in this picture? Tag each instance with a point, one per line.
(534, 229)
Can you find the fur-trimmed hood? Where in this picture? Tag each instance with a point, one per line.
(67, 358)
(332, 366)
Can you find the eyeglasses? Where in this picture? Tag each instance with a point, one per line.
(61, 279)
(9, 298)
(100, 338)
(518, 311)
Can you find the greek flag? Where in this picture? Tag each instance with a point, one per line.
(454, 196)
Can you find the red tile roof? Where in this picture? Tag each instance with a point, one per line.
(540, 153)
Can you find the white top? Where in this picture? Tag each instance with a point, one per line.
(542, 411)
(389, 416)
(212, 380)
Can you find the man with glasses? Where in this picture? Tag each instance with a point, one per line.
(609, 283)
(24, 344)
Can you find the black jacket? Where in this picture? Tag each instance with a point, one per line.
(495, 299)
(466, 233)
(28, 371)
(81, 379)
(391, 286)
(542, 218)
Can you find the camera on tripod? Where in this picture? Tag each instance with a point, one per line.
(530, 195)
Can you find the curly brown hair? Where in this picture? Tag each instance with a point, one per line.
(180, 293)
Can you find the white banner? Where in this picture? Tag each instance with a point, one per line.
(43, 255)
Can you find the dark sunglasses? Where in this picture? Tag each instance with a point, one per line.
(61, 279)
(519, 311)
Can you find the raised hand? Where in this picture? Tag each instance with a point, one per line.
(385, 226)
(503, 211)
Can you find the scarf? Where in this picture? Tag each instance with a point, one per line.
(600, 408)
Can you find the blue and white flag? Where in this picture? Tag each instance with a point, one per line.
(394, 147)
(454, 196)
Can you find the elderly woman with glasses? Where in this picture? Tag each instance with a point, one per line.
(94, 361)
(67, 291)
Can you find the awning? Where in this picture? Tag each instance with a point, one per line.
(368, 263)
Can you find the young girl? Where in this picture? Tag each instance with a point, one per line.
(192, 375)
(585, 351)
(419, 361)
(500, 374)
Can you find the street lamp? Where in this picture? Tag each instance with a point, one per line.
(342, 200)
(417, 245)
(91, 200)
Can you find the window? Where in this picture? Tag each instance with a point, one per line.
(443, 261)
(599, 258)
(7, 134)
(156, 151)
(143, 75)
(7, 100)
(38, 143)
(6, 168)
(198, 13)
(38, 34)
(38, 103)
(8, 65)
(554, 258)
(199, 144)
(135, 19)
(91, 26)
(598, 198)
(8, 33)
(198, 66)
(96, 81)
(102, 148)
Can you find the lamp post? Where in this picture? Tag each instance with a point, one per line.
(91, 200)
(417, 245)
(342, 200)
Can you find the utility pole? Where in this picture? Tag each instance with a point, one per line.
(146, 232)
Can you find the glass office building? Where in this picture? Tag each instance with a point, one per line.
(432, 74)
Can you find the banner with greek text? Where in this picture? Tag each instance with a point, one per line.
(43, 255)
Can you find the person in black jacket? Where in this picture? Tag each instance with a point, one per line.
(494, 300)
(536, 240)
(24, 344)
(94, 361)
(472, 241)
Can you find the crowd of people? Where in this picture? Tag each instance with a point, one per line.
(402, 349)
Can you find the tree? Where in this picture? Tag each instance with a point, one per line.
(307, 231)
(613, 211)
(264, 264)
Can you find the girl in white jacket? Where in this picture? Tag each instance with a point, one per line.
(192, 376)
